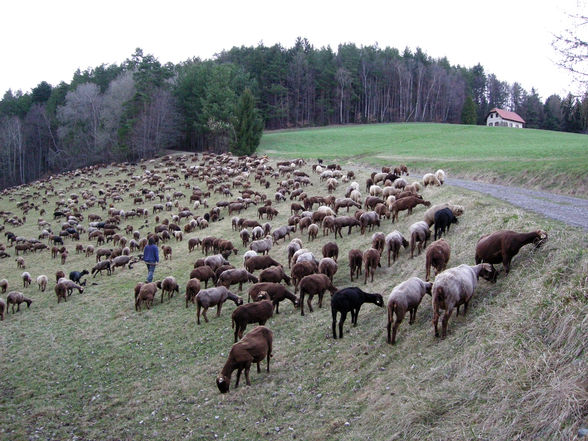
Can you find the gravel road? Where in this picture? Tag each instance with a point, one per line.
(572, 211)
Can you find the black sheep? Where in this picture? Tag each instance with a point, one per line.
(443, 219)
(350, 299)
(75, 276)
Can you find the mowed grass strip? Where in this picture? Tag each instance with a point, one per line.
(93, 368)
(539, 158)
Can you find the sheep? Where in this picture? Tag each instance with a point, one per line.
(430, 179)
(248, 254)
(204, 274)
(42, 281)
(368, 219)
(301, 270)
(440, 175)
(101, 266)
(3, 308)
(121, 261)
(314, 284)
(407, 203)
(259, 262)
(257, 312)
(282, 232)
(379, 241)
(276, 293)
(429, 216)
(455, 287)
(167, 252)
(234, 276)
(214, 296)
(215, 261)
(313, 230)
(254, 347)
(437, 256)
(245, 236)
(406, 296)
(443, 219)
(262, 246)
(59, 275)
(274, 274)
(328, 267)
(4, 285)
(371, 260)
(168, 285)
(146, 295)
(419, 233)
(192, 288)
(330, 249)
(303, 255)
(20, 262)
(350, 300)
(193, 243)
(355, 263)
(293, 246)
(501, 246)
(394, 241)
(16, 298)
(26, 279)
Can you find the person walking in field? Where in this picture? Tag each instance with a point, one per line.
(151, 258)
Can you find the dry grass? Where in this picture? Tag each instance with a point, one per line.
(513, 368)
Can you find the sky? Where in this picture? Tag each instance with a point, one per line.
(49, 40)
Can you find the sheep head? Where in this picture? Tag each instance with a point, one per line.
(223, 384)
(541, 238)
(488, 272)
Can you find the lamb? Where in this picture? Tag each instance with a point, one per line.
(4, 285)
(437, 256)
(146, 295)
(429, 216)
(406, 296)
(103, 265)
(407, 203)
(419, 233)
(371, 260)
(430, 179)
(330, 249)
(259, 262)
(455, 287)
(214, 296)
(168, 285)
(257, 312)
(42, 281)
(204, 274)
(276, 293)
(350, 300)
(301, 270)
(234, 276)
(262, 246)
(16, 298)
(274, 274)
(26, 279)
(254, 347)
(394, 241)
(355, 263)
(443, 219)
(328, 267)
(501, 246)
(192, 288)
(314, 284)
(20, 262)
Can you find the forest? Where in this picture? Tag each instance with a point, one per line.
(136, 109)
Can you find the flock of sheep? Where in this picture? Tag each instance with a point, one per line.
(94, 212)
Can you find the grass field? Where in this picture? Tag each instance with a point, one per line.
(532, 158)
(514, 368)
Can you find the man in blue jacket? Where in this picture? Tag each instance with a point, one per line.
(151, 258)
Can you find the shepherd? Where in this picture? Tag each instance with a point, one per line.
(151, 258)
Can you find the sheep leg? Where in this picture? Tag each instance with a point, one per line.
(204, 314)
(354, 316)
(218, 309)
(445, 321)
(258, 368)
(341, 321)
(301, 303)
(277, 305)
(320, 299)
(238, 377)
(412, 316)
(308, 302)
(436, 322)
(334, 324)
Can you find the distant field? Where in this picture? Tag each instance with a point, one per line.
(534, 158)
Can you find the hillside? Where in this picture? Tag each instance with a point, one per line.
(94, 368)
(530, 158)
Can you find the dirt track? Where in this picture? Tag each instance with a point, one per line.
(572, 211)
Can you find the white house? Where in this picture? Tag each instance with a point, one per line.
(504, 118)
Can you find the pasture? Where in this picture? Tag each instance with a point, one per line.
(93, 368)
(528, 158)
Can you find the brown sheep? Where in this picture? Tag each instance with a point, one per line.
(59, 275)
(146, 295)
(26, 279)
(407, 203)
(501, 246)
(257, 312)
(204, 274)
(355, 263)
(330, 249)
(234, 276)
(274, 274)
(328, 267)
(437, 256)
(254, 347)
(193, 243)
(455, 287)
(214, 297)
(167, 252)
(192, 288)
(259, 262)
(379, 241)
(20, 262)
(16, 298)
(406, 296)
(371, 260)
(4, 285)
(419, 234)
(168, 285)
(394, 241)
(301, 270)
(314, 284)
(313, 230)
(368, 219)
(275, 291)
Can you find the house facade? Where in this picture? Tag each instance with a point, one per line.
(504, 118)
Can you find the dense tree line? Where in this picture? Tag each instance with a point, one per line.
(134, 110)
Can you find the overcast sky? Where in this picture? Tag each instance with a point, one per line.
(48, 40)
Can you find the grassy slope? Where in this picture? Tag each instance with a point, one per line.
(513, 368)
(543, 159)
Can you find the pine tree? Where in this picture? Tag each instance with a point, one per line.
(469, 112)
(248, 125)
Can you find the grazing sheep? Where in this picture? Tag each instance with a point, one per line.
(248, 254)
(20, 262)
(276, 293)
(437, 256)
(314, 284)
(168, 285)
(121, 261)
(274, 274)
(328, 267)
(371, 260)
(406, 296)
(214, 297)
(42, 281)
(254, 347)
(262, 246)
(204, 274)
(215, 261)
(440, 175)
(407, 203)
(4, 285)
(192, 288)
(103, 265)
(233, 276)
(429, 216)
(313, 230)
(368, 219)
(26, 279)
(258, 312)
(193, 243)
(501, 246)
(259, 262)
(394, 241)
(455, 287)
(59, 275)
(350, 300)
(245, 236)
(355, 263)
(301, 270)
(16, 298)
(443, 219)
(419, 233)
(379, 241)
(146, 295)
(430, 179)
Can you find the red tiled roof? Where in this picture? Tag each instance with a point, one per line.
(505, 114)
